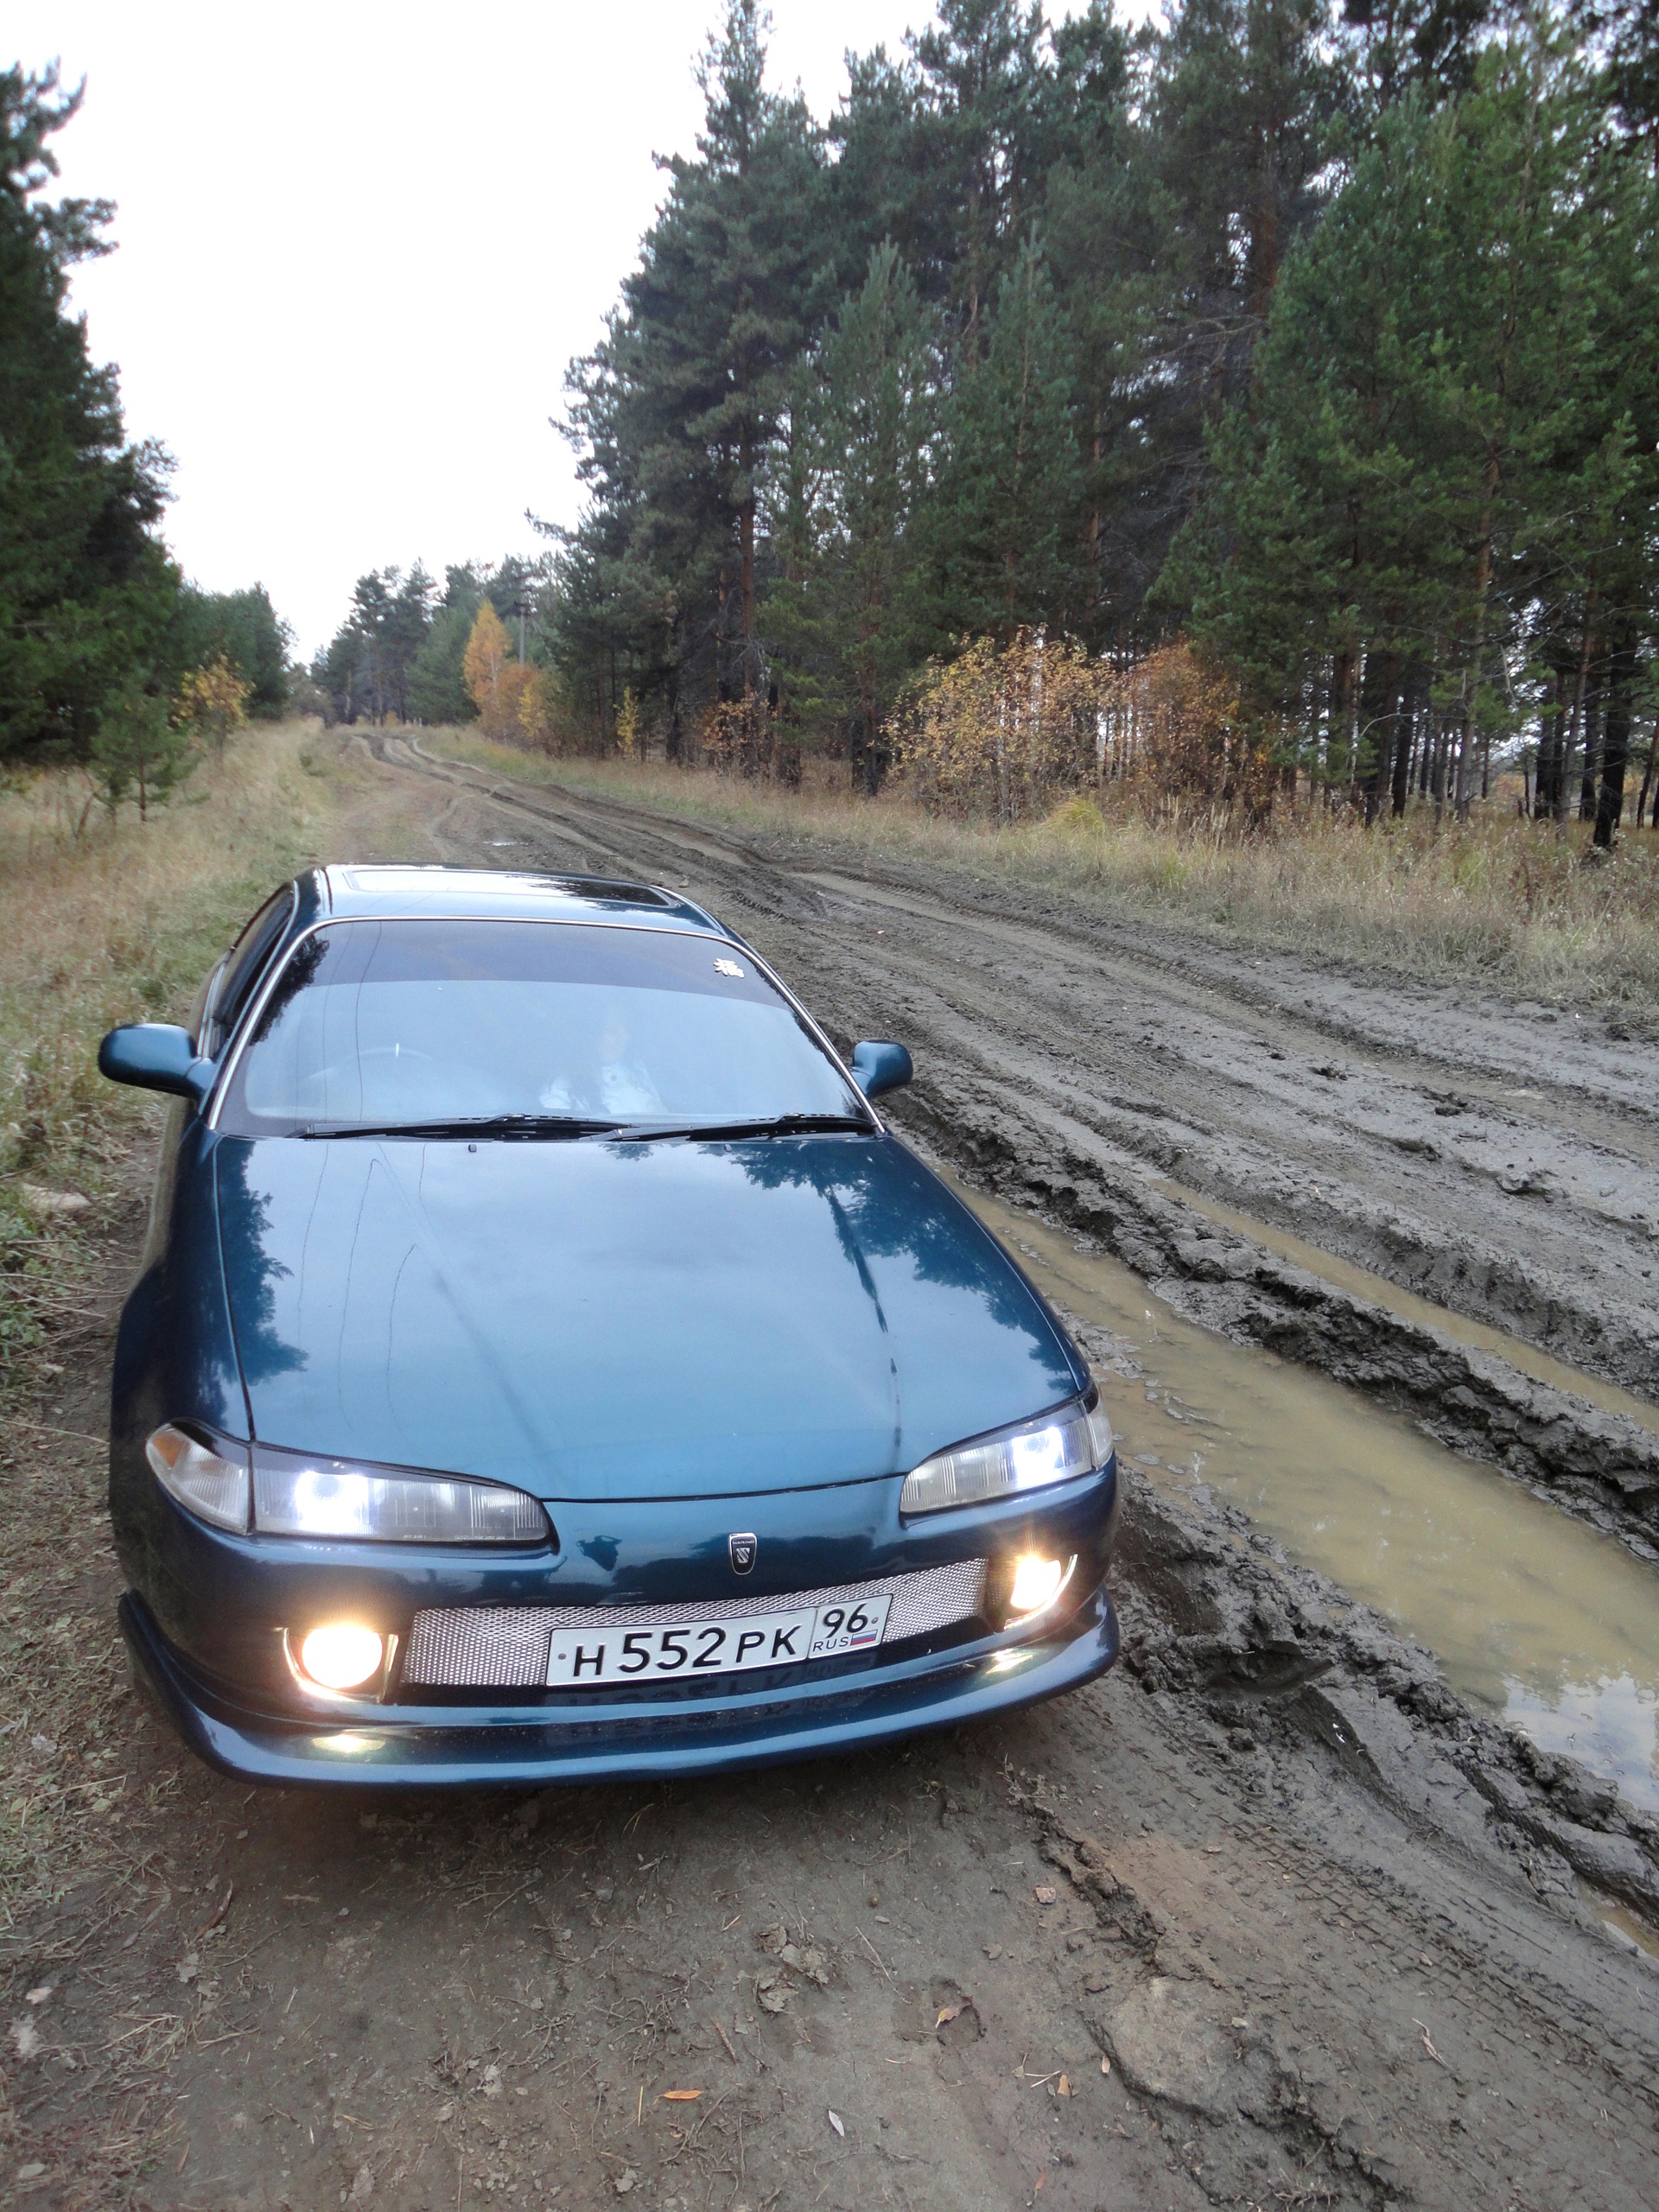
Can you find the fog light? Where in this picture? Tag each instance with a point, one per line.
(342, 1655)
(1037, 1582)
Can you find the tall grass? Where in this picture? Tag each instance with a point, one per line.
(103, 922)
(1498, 901)
(109, 921)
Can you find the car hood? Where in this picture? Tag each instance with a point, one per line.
(600, 1320)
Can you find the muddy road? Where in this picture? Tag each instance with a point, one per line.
(1450, 1203)
(1269, 1916)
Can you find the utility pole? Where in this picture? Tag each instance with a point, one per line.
(523, 608)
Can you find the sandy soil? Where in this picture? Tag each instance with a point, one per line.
(1265, 1918)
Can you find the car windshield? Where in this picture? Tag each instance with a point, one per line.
(375, 1025)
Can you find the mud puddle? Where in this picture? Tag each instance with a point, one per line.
(1534, 1616)
(1363, 1283)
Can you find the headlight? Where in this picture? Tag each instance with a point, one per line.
(296, 1497)
(212, 1488)
(1028, 1455)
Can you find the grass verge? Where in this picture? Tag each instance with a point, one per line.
(1498, 901)
(119, 921)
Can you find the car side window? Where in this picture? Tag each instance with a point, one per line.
(245, 962)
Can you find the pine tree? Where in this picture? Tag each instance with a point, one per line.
(682, 405)
(1438, 445)
(843, 615)
(86, 590)
(137, 751)
(1003, 517)
(242, 627)
(436, 687)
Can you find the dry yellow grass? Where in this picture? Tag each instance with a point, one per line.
(118, 921)
(1499, 901)
(110, 923)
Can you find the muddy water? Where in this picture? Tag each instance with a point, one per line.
(1534, 1615)
(1363, 1284)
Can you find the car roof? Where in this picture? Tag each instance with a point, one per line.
(353, 888)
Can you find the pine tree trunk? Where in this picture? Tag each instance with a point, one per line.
(1647, 780)
(1337, 715)
(1377, 701)
(1615, 741)
(746, 605)
(671, 741)
(1594, 716)
(723, 637)
(1404, 723)
(1563, 795)
(1549, 747)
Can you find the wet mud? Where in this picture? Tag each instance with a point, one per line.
(1272, 1916)
(1536, 1620)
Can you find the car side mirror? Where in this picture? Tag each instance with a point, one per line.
(155, 1056)
(882, 1067)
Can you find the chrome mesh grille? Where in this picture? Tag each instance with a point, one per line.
(505, 1647)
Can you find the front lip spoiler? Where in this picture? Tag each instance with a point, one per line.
(394, 1754)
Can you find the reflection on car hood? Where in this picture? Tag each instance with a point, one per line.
(597, 1321)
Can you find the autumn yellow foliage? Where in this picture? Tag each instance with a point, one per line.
(214, 699)
(515, 699)
(484, 670)
(534, 705)
(631, 730)
(1011, 731)
(1002, 730)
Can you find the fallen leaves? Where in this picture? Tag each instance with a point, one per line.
(836, 2122)
(804, 1958)
(681, 2096)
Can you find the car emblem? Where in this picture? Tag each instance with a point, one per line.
(726, 968)
(744, 1551)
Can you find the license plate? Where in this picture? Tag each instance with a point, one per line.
(579, 1657)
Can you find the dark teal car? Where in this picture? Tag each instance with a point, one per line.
(546, 1366)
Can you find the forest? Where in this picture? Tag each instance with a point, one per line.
(110, 659)
(1266, 400)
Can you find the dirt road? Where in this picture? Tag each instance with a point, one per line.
(1265, 1918)
(1501, 1162)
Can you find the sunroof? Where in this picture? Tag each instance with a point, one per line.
(492, 883)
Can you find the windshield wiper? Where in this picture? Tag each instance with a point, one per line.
(773, 1125)
(529, 1127)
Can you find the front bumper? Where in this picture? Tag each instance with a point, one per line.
(486, 1745)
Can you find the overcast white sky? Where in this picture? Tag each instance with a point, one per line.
(359, 242)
